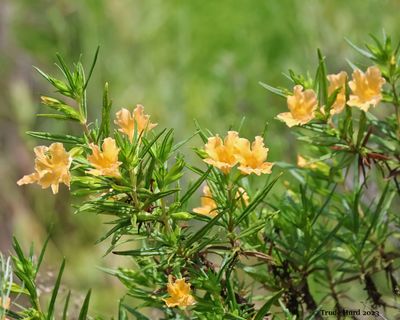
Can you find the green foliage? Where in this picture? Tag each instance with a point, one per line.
(26, 268)
(244, 254)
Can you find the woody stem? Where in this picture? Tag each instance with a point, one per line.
(230, 215)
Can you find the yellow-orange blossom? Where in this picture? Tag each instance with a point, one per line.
(366, 92)
(105, 162)
(179, 292)
(302, 106)
(221, 154)
(366, 88)
(52, 167)
(128, 122)
(234, 150)
(252, 158)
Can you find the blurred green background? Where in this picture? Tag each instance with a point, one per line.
(181, 60)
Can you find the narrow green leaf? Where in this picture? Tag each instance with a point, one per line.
(229, 287)
(50, 310)
(13, 314)
(166, 146)
(254, 229)
(24, 271)
(175, 172)
(355, 210)
(66, 304)
(332, 98)
(137, 314)
(322, 81)
(352, 65)
(257, 200)
(18, 250)
(68, 139)
(274, 90)
(85, 307)
(182, 143)
(361, 128)
(378, 43)
(148, 145)
(92, 67)
(194, 187)
(104, 130)
(141, 252)
(347, 128)
(200, 233)
(328, 199)
(61, 87)
(55, 116)
(323, 243)
(42, 252)
(122, 315)
(201, 132)
(15, 288)
(359, 50)
(125, 222)
(66, 70)
(262, 312)
(155, 196)
(377, 212)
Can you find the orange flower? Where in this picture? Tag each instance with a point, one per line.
(105, 162)
(366, 88)
(51, 166)
(252, 159)
(179, 292)
(127, 121)
(302, 106)
(337, 81)
(222, 154)
(208, 205)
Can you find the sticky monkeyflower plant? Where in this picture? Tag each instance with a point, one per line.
(212, 241)
(185, 260)
(333, 234)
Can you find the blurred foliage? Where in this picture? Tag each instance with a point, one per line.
(181, 59)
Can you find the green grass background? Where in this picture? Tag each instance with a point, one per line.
(181, 60)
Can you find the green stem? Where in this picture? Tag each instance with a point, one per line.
(82, 110)
(229, 284)
(134, 189)
(165, 217)
(37, 304)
